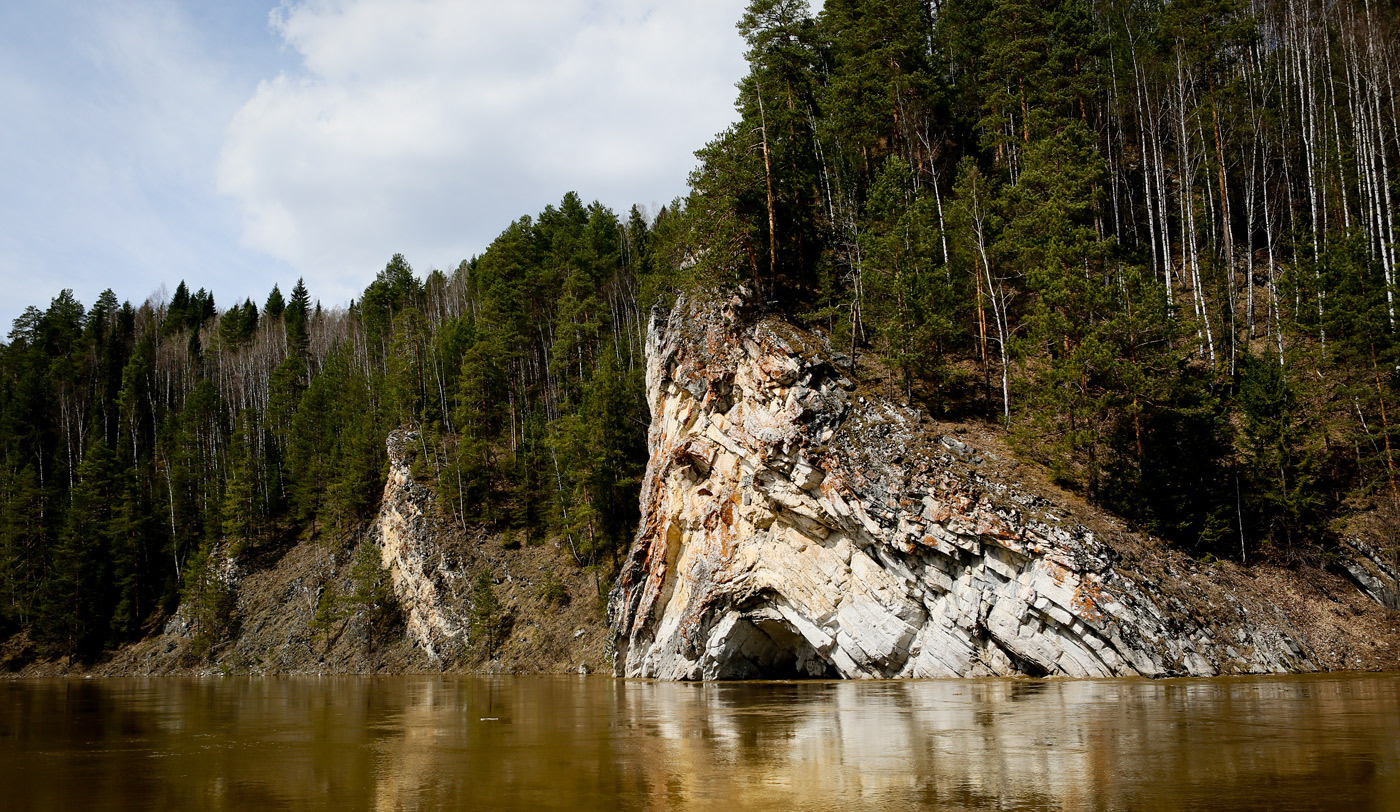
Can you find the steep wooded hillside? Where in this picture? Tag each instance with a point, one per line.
(146, 449)
(1154, 241)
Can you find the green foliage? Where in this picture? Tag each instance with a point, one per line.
(275, 304)
(373, 591)
(552, 590)
(296, 317)
(390, 292)
(240, 507)
(1050, 233)
(914, 306)
(76, 620)
(1160, 234)
(485, 618)
(189, 312)
(370, 593)
(208, 601)
(1285, 466)
(600, 447)
(238, 324)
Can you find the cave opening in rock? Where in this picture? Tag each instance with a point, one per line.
(763, 645)
(1024, 665)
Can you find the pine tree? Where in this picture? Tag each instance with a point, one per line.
(1050, 233)
(177, 314)
(275, 304)
(485, 618)
(75, 609)
(240, 508)
(297, 315)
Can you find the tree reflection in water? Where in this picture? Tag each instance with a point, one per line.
(576, 743)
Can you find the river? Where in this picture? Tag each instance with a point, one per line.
(592, 743)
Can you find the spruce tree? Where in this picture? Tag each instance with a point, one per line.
(275, 305)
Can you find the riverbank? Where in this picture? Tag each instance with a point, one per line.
(549, 621)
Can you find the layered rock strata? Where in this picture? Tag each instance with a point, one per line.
(1373, 574)
(796, 524)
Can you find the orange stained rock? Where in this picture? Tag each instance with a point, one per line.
(1086, 598)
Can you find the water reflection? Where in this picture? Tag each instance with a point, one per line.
(410, 743)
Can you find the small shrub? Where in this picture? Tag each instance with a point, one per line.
(552, 590)
(330, 609)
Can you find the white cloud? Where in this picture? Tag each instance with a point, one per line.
(426, 126)
(115, 118)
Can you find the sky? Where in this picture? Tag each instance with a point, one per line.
(237, 145)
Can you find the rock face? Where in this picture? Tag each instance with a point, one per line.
(1368, 568)
(434, 566)
(794, 524)
(423, 574)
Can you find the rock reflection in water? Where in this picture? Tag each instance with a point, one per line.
(409, 743)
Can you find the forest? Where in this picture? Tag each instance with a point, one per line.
(1151, 242)
(143, 445)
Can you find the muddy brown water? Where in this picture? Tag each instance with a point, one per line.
(592, 743)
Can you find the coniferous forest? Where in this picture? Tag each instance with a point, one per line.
(1154, 243)
(145, 438)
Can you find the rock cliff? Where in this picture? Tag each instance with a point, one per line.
(433, 564)
(427, 579)
(795, 523)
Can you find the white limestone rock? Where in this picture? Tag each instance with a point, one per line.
(421, 572)
(791, 527)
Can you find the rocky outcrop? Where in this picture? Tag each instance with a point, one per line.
(426, 579)
(794, 523)
(1372, 572)
(433, 565)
